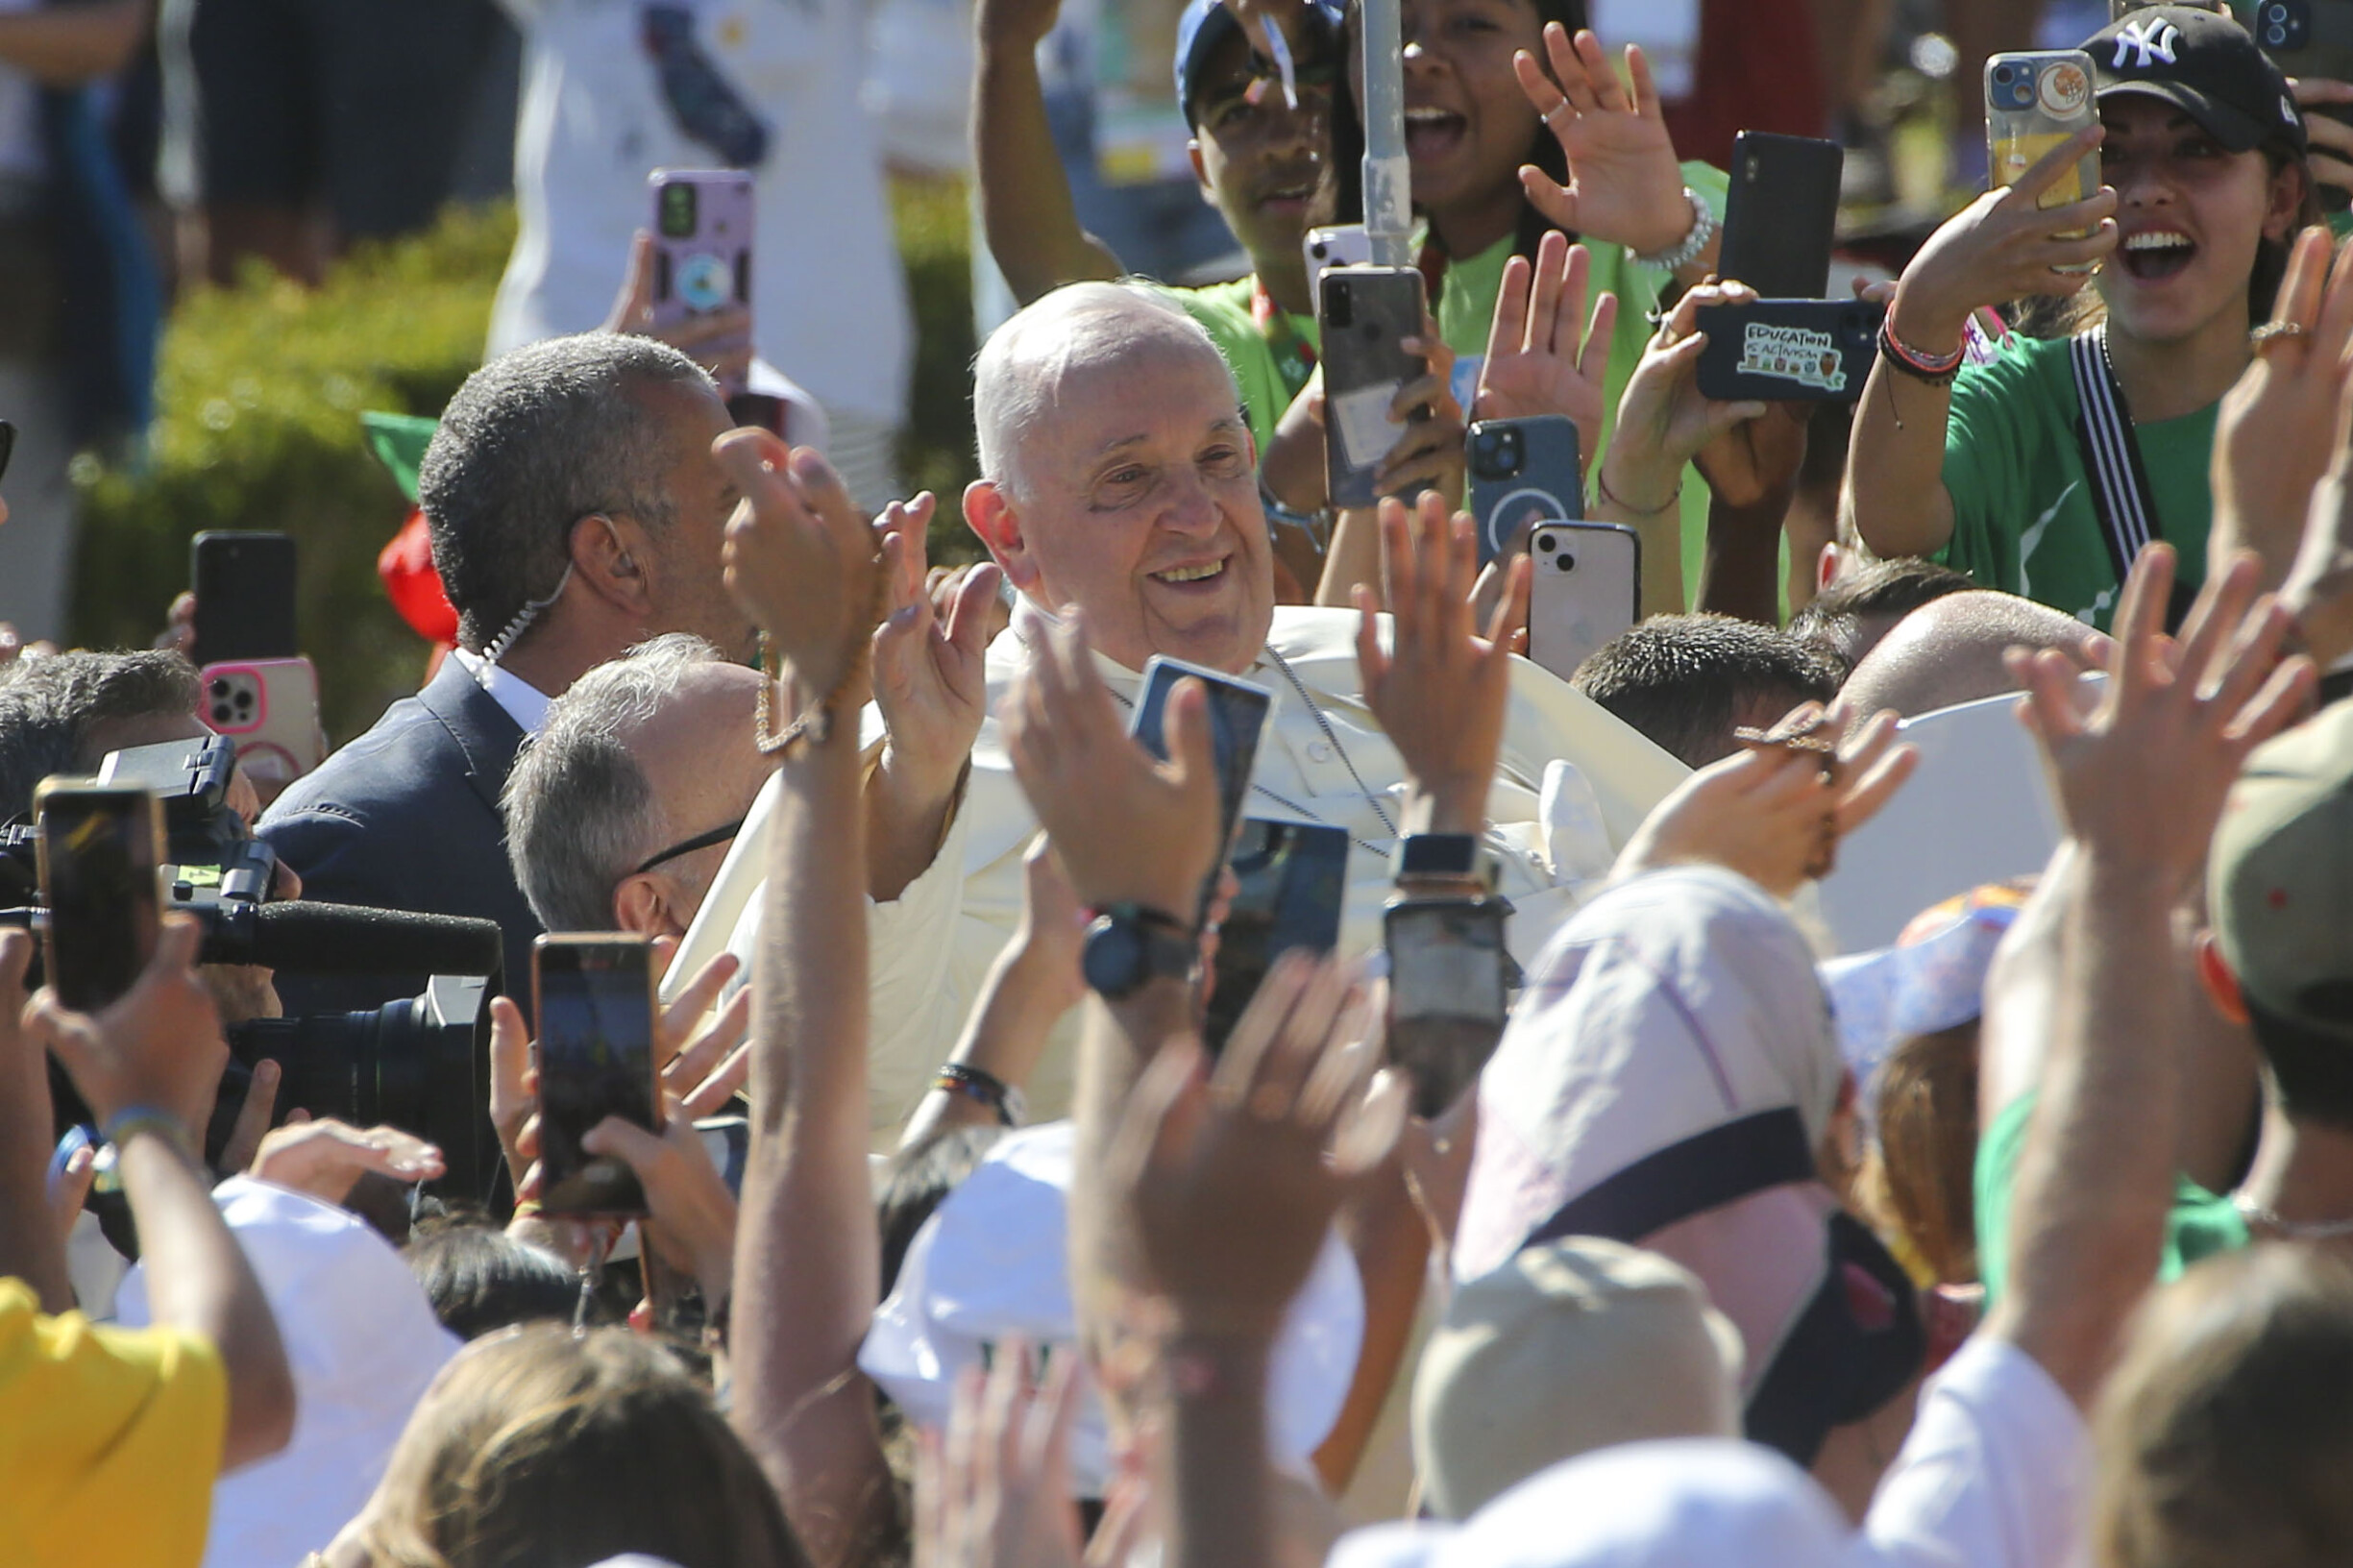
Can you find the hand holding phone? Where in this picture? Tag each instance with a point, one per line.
(1237, 713)
(1293, 879)
(596, 1009)
(99, 849)
(2034, 101)
(1365, 313)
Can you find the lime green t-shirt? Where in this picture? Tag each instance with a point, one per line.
(1467, 312)
(2023, 518)
(1268, 372)
(2199, 1225)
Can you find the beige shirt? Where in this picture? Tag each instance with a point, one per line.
(1572, 785)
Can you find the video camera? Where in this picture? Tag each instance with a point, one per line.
(420, 1064)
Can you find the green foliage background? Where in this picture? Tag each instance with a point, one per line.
(258, 427)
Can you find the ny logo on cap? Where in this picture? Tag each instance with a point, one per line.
(2153, 37)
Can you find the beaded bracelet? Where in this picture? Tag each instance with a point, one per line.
(132, 1120)
(1935, 369)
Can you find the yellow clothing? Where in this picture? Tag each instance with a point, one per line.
(110, 1439)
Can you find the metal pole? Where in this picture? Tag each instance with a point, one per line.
(1388, 200)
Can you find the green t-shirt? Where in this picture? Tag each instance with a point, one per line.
(1264, 366)
(2022, 518)
(1467, 312)
(2199, 1225)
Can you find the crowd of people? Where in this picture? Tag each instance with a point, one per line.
(962, 1238)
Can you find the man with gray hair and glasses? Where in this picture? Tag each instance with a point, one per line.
(620, 810)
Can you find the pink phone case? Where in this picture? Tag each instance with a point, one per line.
(703, 242)
(270, 707)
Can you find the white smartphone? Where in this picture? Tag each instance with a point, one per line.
(1340, 245)
(1587, 590)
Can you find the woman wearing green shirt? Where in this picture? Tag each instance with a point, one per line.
(2043, 472)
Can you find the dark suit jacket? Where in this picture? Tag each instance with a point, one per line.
(407, 817)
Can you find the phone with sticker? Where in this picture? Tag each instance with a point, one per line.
(1365, 313)
(2035, 100)
(1788, 351)
(702, 242)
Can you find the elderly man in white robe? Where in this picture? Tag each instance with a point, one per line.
(1119, 480)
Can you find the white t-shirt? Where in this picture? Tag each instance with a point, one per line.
(1996, 1473)
(829, 305)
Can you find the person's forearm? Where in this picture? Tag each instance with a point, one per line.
(1893, 498)
(906, 822)
(64, 46)
(1659, 528)
(1025, 207)
(2096, 1179)
(1213, 1465)
(1740, 575)
(1120, 1040)
(198, 1279)
(1386, 1234)
(31, 1249)
(1004, 1038)
(1353, 557)
(807, 1267)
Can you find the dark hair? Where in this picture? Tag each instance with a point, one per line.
(49, 706)
(2312, 1068)
(478, 1278)
(1684, 680)
(919, 1179)
(1544, 151)
(533, 442)
(1893, 589)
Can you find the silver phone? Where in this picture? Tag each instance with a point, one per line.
(1337, 245)
(1588, 590)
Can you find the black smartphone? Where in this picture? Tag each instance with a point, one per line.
(1447, 1002)
(1788, 351)
(244, 586)
(98, 847)
(1364, 314)
(1293, 879)
(2311, 39)
(1237, 712)
(1523, 471)
(595, 995)
(1781, 215)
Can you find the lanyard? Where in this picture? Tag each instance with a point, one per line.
(1294, 354)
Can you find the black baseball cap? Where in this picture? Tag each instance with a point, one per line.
(2205, 64)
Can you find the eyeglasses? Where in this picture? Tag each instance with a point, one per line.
(687, 846)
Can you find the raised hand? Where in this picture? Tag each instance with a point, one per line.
(1772, 810)
(995, 1492)
(1624, 184)
(801, 560)
(1129, 828)
(2330, 159)
(1229, 1179)
(2277, 433)
(326, 1157)
(2004, 247)
(1428, 453)
(1440, 690)
(158, 1045)
(1663, 421)
(1538, 362)
(929, 676)
(720, 341)
(2186, 712)
(691, 1214)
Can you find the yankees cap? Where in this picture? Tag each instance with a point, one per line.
(2204, 64)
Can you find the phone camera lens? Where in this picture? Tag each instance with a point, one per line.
(2004, 73)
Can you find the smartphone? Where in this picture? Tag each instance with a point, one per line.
(1293, 878)
(702, 242)
(1364, 314)
(99, 847)
(1338, 245)
(1788, 351)
(1523, 471)
(244, 585)
(2311, 39)
(595, 1000)
(1447, 1002)
(270, 709)
(1587, 590)
(1237, 713)
(1781, 214)
(2035, 100)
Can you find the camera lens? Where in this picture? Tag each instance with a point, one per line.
(1337, 308)
(2004, 73)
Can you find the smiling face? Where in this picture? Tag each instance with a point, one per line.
(1468, 126)
(2192, 216)
(1263, 165)
(1131, 491)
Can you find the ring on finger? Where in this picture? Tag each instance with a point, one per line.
(1552, 114)
(2272, 329)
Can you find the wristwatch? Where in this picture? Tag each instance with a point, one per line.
(1130, 944)
(1454, 856)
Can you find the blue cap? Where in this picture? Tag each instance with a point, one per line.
(1206, 25)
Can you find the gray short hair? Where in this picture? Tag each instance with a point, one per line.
(580, 814)
(1019, 370)
(49, 706)
(534, 441)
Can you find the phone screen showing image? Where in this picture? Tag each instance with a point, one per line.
(1292, 878)
(596, 1060)
(1447, 1003)
(1237, 713)
(99, 850)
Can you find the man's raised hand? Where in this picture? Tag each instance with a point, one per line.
(930, 678)
(800, 559)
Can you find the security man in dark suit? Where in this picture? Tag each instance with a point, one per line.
(575, 510)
